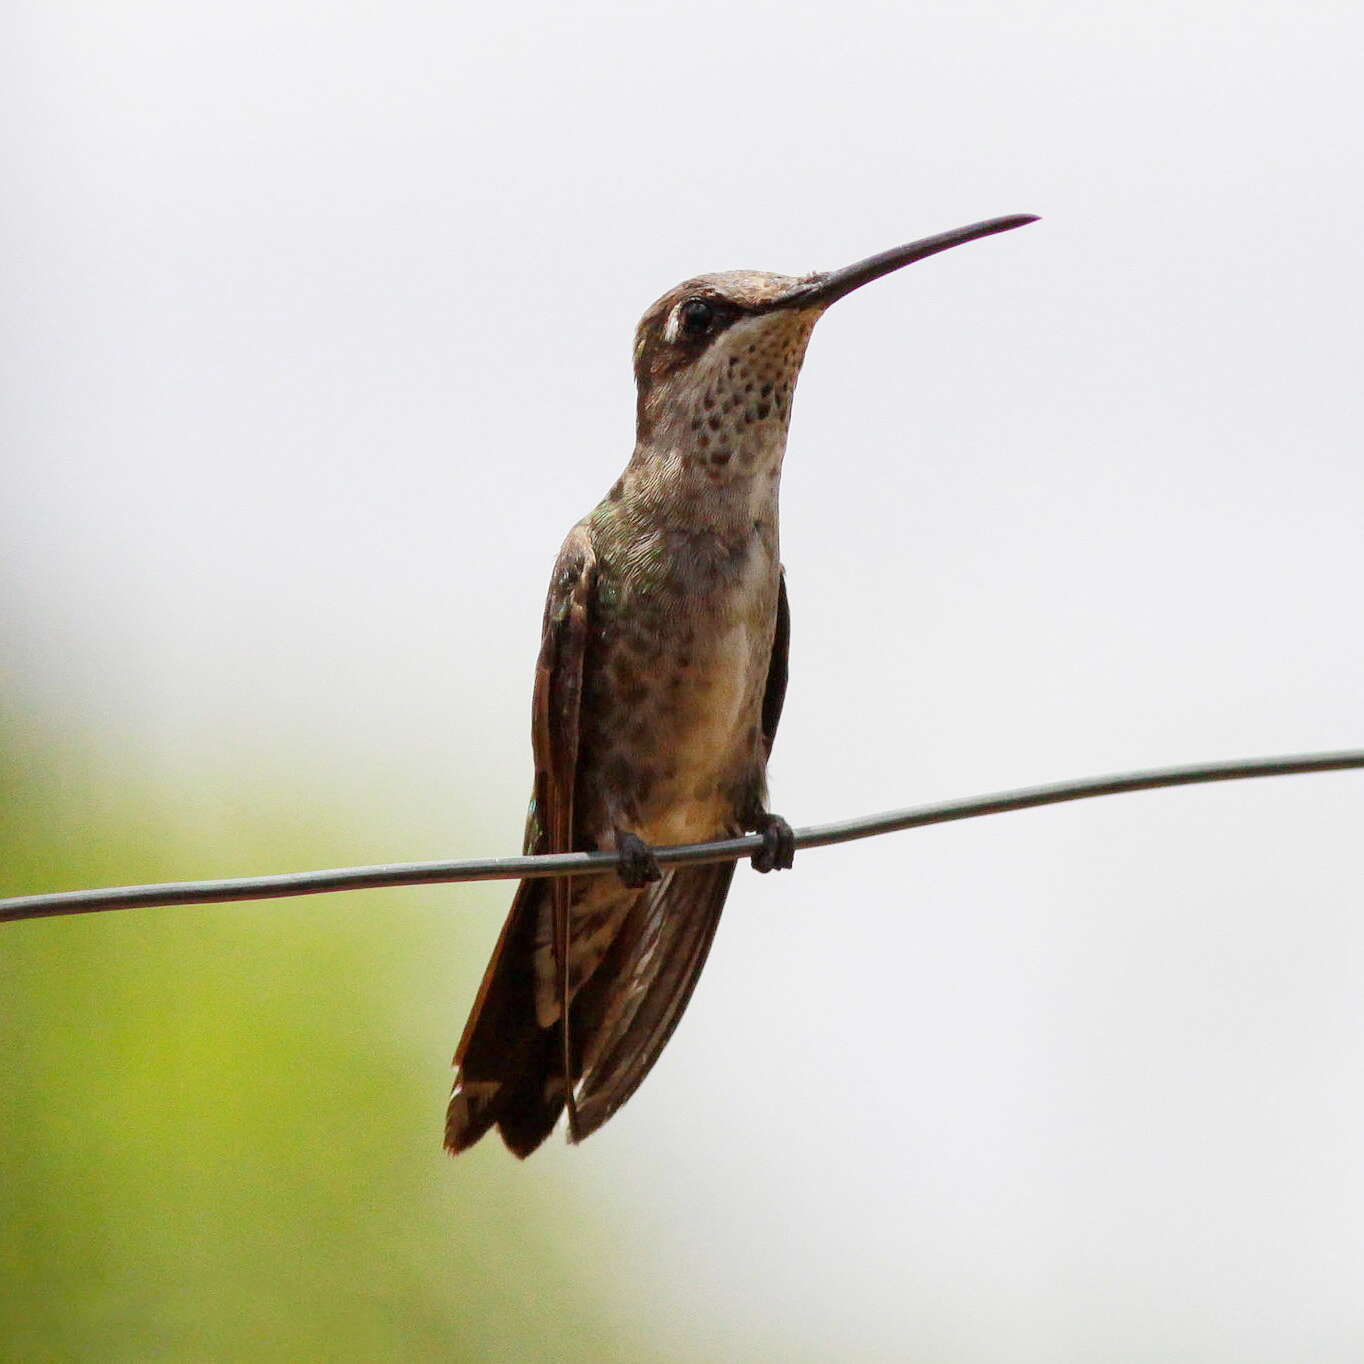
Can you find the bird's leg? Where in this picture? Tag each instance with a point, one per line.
(778, 851)
(638, 865)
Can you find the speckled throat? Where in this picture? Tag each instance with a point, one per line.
(712, 434)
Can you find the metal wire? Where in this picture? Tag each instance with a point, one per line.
(597, 864)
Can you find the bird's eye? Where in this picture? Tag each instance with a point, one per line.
(697, 316)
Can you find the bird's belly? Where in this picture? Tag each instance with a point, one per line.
(708, 738)
(683, 752)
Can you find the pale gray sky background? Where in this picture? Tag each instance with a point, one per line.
(316, 335)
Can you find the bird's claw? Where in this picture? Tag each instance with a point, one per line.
(778, 851)
(638, 865)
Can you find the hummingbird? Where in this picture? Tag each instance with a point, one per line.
(658, 689)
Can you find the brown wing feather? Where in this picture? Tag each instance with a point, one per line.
(774, 696)
(554, 741)
(510, 1070)
(660, 953)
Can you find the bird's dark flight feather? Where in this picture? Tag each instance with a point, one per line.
(774, 694)
(674, 923)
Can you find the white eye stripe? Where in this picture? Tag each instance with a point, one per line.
(674, 324)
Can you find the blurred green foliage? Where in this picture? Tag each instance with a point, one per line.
(220, 1126)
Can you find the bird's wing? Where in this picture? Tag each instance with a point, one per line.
(558, 693)
(775, 694)
(504, 1074)
(554, 742)
(626, 1012)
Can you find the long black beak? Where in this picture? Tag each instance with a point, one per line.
(825, 289)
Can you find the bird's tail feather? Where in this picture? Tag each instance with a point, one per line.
(511, 1068)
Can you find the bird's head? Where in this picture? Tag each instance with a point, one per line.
(716, 358)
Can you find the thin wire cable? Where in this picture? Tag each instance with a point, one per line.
(597, 864)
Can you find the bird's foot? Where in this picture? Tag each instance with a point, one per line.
(778, 851)
(638, 865)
